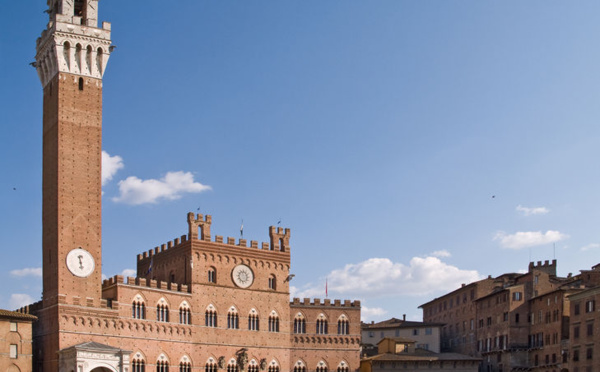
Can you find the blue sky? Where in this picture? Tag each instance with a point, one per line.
(411, 146)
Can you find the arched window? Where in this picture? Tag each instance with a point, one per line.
(210, 316)
(138, 308)
(273, 366)
(212, 275)
(185, 367)
(273, 322)
(343, 325)
(343, 367)
(162, 311)
(185, 314)
(138, 364)
(253, 324)
(272, 282)
(281, 245)
(233, 319)
(253, 366)
(232, 366)
(322, 367)
(162, 366)
(299, 366)
(321, 325)
(99, 58)
(67, 54)
(299, 323)
(78, 61)
(210, 366)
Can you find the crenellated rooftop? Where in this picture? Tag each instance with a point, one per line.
(142, 282)
(199, 229)
(326, 302)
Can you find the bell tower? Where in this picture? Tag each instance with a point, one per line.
(72, 54)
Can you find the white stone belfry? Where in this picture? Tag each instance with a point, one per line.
(72, 42)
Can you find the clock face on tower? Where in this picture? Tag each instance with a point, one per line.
(242, 276)
(80, 262)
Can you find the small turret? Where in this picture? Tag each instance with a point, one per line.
(280, 239)
(201, 223)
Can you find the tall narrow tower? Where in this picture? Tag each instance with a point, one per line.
(72, 54)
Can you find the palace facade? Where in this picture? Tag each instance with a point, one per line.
(198, 303)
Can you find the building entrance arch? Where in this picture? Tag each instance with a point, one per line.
(93, 357)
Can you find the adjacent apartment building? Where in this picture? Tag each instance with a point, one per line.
(519, 322)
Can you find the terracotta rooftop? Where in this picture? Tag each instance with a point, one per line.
(16, 315)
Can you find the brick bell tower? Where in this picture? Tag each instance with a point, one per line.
(71, 58)
(72, 54)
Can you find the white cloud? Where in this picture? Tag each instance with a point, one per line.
(30, 271)
(525, 211)
(129, 272)
(18, 300)
(380, 277)
(526, 239)
(441, 254)
(172, 186)
(371, 313)
(590, 246)
(110, 166)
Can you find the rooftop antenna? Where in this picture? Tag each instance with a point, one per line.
(554, 251)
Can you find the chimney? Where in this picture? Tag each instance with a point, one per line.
(404, 317)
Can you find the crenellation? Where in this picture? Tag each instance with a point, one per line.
(218, 239)
(242, 243)
(280, 239)
(143, 282)
(325, 302)
(265, 246)
(230, 240)
(253, 244)
(199, 222)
